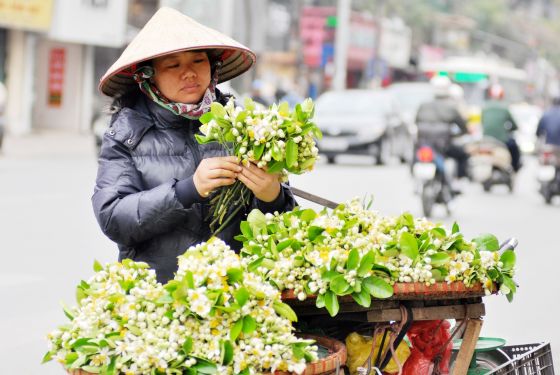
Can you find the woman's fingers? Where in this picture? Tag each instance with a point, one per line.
(252, 174)
(221, 173)
(247, 182)
(227, 162)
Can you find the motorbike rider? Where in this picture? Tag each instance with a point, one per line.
(549, 124)
(439, 121)
(497, 122)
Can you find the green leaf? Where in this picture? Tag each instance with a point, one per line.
(409, 245)
(166, 298)
(339, 285)
(508, 259)
(241, 296)
(47, 357)
(353, 259)
(249, 324)
(67, 312)
(276, 167)
(80, 342)
(187, 345)
(313, 232)
(249, 104)
(307, 215)
(254, 265)
(487, 242)
(234, 275)
(188, 279)
(439, 232)
(226, 352)
(97, 266)
(377, 287)
(235, 330)
(217, 109)
(455, 228)
(284, 244)
(111, 369)
(80, 294)
(246, 230)
(329, 275)
(284, 109)
(363, 298)
(509, 283)
(331, 303)
(291, 153)
(203, 366)
(206, 118)
(439, 259)
(285, 311)
(258, 151)
(366, 263)
(320, 301)
(257, 221)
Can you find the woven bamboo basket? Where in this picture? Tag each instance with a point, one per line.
(406, 291)
(335, 357)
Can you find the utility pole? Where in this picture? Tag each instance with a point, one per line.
(341, 43)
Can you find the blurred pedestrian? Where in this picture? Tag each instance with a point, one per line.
(290, 97)
(256, 93)
(439, 121)
(154, 179)
(549, 124)
(498, 123)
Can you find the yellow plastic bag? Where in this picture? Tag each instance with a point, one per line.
(358, 348)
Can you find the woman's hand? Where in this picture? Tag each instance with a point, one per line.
(215, 172)
(265, 186)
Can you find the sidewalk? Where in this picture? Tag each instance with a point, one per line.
(48, 144)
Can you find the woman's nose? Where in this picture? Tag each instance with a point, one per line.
(188, 72)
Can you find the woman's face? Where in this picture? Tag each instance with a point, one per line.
(183, 76)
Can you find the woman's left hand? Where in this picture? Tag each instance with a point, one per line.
(265, 186)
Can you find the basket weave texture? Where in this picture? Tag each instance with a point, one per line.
(327, 365)
(404, 291)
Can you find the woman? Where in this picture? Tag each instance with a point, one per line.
(154, 180)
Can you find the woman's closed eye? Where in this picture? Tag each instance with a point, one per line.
(173, 66)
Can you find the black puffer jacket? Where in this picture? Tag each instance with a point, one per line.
(146, 153)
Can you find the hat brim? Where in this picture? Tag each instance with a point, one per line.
(235, 61)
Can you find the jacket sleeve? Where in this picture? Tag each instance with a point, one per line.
(284, 202)
(126, 213)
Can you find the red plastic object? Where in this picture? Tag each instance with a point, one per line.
(431, 347)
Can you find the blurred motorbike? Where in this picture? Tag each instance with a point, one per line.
(432, 171)
(548, 173)
(490, 163)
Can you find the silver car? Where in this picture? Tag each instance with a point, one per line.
(364, 122)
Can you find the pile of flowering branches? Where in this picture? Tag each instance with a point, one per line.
(213, 318)
(354, 251)
(275, 139)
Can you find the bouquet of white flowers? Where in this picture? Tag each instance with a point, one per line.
(355, 251)
(213, 318)
(276, 139)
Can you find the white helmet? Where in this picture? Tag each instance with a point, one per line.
(456, 92)
(441, 85)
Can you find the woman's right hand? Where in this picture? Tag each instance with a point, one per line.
(215, 172)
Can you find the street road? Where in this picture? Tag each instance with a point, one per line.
(49, 239)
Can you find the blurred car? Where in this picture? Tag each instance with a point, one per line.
(363, 122)
(409, 96)
(527, 118)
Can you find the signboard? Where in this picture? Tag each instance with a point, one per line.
(95, 22)
(57, 60)
(34, 15)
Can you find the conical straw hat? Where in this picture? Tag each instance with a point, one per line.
(170, 31)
